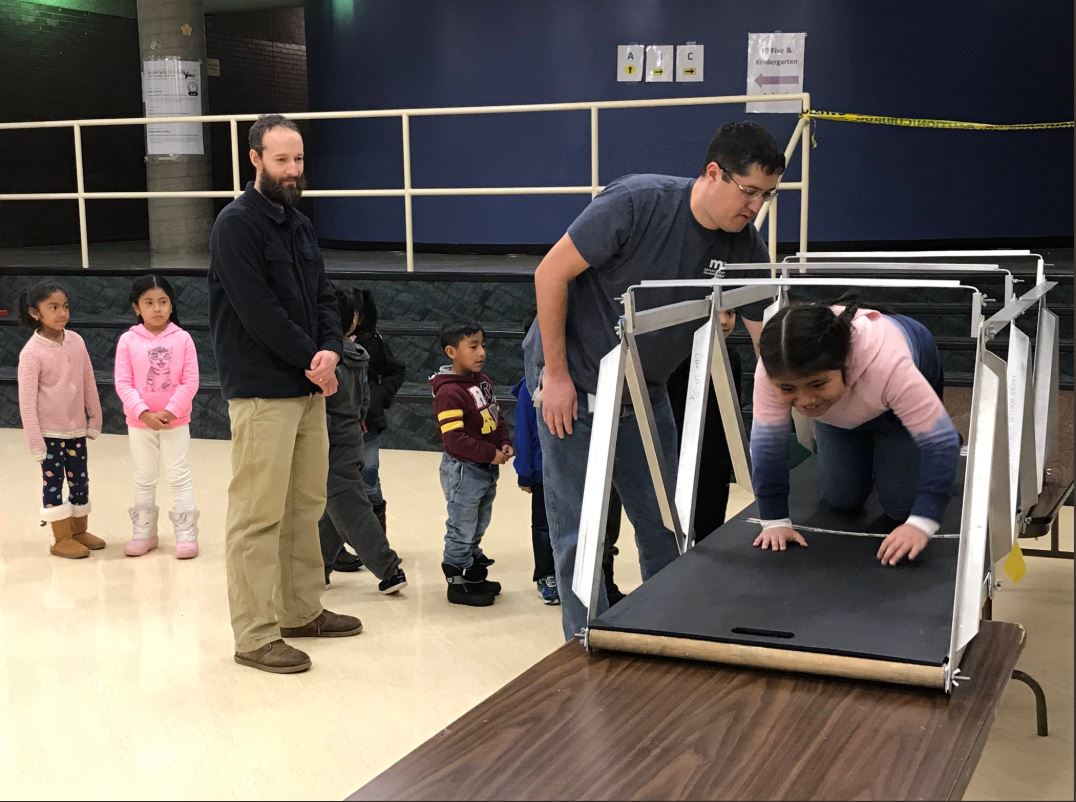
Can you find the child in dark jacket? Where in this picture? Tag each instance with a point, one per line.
(349, 515)
(476, 442)
(386, 377)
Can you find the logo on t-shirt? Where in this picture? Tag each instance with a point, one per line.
(713, 269)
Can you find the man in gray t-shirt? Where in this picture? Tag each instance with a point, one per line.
(640, 227)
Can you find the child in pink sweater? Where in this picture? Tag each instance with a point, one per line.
(872, 383)
(60, 408)
(156, 379)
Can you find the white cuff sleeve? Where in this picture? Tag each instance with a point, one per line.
(925, 524)
(777, 522)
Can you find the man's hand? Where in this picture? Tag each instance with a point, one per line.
(499, 457)
(905, 540)
(508, 450)
(778, 537)
(526, 489)
(323, 365)
(559, 404)
(322, 371)
(330, 387)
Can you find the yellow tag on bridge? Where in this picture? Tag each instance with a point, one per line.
(1014, 565)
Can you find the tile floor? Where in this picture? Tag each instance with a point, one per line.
(116, 677)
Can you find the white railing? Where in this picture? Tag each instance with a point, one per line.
(800, 137)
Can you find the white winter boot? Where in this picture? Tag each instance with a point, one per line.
(144, 528)
(186, 526)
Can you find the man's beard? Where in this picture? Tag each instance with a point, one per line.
(284, 194)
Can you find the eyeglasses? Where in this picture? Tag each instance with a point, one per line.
(751, 193)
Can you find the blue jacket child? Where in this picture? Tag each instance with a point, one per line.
(528, 461)
(528, 464)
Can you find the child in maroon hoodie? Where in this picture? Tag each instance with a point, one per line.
(476, 442)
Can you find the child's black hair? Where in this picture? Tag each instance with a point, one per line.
(365, 306)
(149, 282)
(452, 333)
(802, 339)
(30, 297)
(345, 302)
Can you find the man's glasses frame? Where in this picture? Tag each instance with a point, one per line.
(751, 193)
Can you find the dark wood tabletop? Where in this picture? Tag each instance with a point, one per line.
(620, 726)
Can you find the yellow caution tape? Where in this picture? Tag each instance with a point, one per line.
(910, 122)
(1014, 564)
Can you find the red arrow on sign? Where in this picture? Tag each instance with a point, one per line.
(769, 80)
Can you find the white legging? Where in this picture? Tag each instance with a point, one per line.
(148, 450)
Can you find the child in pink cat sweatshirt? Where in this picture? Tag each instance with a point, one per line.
(157, 379)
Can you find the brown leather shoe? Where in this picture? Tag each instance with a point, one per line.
(276, 658)
(80, 535)
(65, 545)
(326, 625)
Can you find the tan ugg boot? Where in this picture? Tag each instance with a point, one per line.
(80, 535)
(66, 546)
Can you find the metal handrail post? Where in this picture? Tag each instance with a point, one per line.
(409, 233)
(80, 185)
(594, 186)
(234, 130)
(805, 173)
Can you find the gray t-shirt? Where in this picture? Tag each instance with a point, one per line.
(639, 227)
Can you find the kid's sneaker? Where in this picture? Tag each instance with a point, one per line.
(393, 583)
(547, 590)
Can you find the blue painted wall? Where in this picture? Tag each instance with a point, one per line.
(988, 61)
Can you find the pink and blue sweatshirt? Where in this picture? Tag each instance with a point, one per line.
(881, 376)
(157, 373)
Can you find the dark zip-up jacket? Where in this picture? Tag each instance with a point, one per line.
(271, 307)
(344, 412)
(386, 377)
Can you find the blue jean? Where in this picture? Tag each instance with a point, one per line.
(879, 453)
(469, 490)
(564, 467)
(371, 466)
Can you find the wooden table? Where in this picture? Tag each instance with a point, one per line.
(620, 726)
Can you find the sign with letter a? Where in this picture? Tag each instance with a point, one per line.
(629, 63)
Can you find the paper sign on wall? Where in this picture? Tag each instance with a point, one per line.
(689, 63)
(172, 87)
(775, 67)
(629, 63)
(659, 63)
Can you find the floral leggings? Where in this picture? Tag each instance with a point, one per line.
(65, 458)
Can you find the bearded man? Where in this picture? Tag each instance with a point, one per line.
(277, 340)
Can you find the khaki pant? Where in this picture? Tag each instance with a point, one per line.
(280, 458)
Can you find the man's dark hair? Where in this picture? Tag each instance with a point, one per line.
(263, 124)
(453, 333)
(736, 146)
